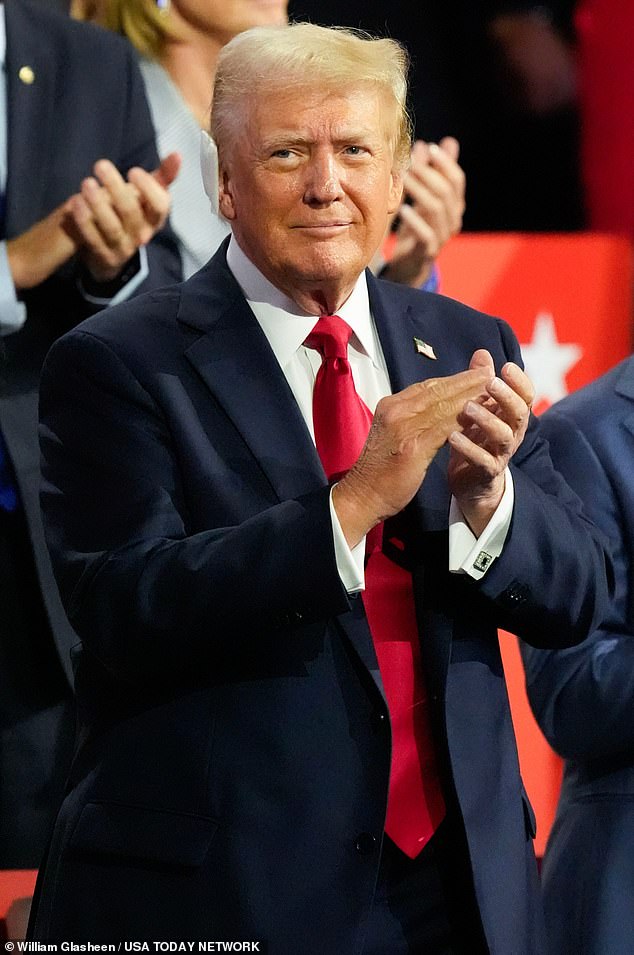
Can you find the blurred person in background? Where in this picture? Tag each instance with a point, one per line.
(179, 42)
(583, 697)
(81, 227)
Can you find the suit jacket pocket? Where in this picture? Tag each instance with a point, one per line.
(142, 835)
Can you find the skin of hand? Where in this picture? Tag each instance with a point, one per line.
(407, 430)
(491, 430)
(42, 249)
(435, 185)
(111, 217)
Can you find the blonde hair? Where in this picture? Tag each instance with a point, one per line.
(304, 54)
(146, 26)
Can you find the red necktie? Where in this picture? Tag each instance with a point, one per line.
(341, 422)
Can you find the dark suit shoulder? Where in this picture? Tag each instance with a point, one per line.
(434, 304)
(589, 405)
(446, 320)
(82, 40)
(135, 323)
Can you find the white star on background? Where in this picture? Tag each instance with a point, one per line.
(548, 361)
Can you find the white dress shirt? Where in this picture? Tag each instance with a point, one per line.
(286, 327)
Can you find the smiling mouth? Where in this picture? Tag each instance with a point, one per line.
(322, 226)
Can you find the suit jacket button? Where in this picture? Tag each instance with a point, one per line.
(365, 844)
(378, 720)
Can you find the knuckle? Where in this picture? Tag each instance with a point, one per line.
(439, 396)
(114, 242)
(389, 417)
(380, 410)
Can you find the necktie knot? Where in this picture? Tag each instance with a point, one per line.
(330, 337)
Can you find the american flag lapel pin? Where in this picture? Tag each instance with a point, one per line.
(423, 348)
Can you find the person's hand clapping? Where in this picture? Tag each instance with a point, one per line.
(407, 431)
(491, 432)
(435, 187)
(111, 217)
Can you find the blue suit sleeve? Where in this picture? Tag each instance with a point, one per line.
(583, 697)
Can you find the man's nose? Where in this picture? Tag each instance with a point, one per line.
(323, 182)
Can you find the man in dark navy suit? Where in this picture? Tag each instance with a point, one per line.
(81, 224)
(288, 506)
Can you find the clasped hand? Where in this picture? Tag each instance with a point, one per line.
(104, 224)
(482, 416)
(435, 187)
(111, 217)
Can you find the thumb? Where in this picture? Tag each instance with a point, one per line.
(482, 359)
(168, 169)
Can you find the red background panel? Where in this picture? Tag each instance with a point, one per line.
(584, 281)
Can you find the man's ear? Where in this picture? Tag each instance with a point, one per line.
(395, 196)
(225, 196)
(209, 168)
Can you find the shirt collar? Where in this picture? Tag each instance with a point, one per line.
(285, 324)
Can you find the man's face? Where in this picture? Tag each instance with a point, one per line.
(224, 19)
(308, 187)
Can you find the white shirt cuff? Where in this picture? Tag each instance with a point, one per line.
(126, 290)
(350, 563)
(471, 555)
(12, 312)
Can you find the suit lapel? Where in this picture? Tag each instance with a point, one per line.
(31, 73)
(399, 326)
(425, 519)
(237, 364)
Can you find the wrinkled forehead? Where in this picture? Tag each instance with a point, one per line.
(316, 111)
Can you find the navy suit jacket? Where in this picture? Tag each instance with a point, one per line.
(232, 776)
(86, 101)
(583, 697)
